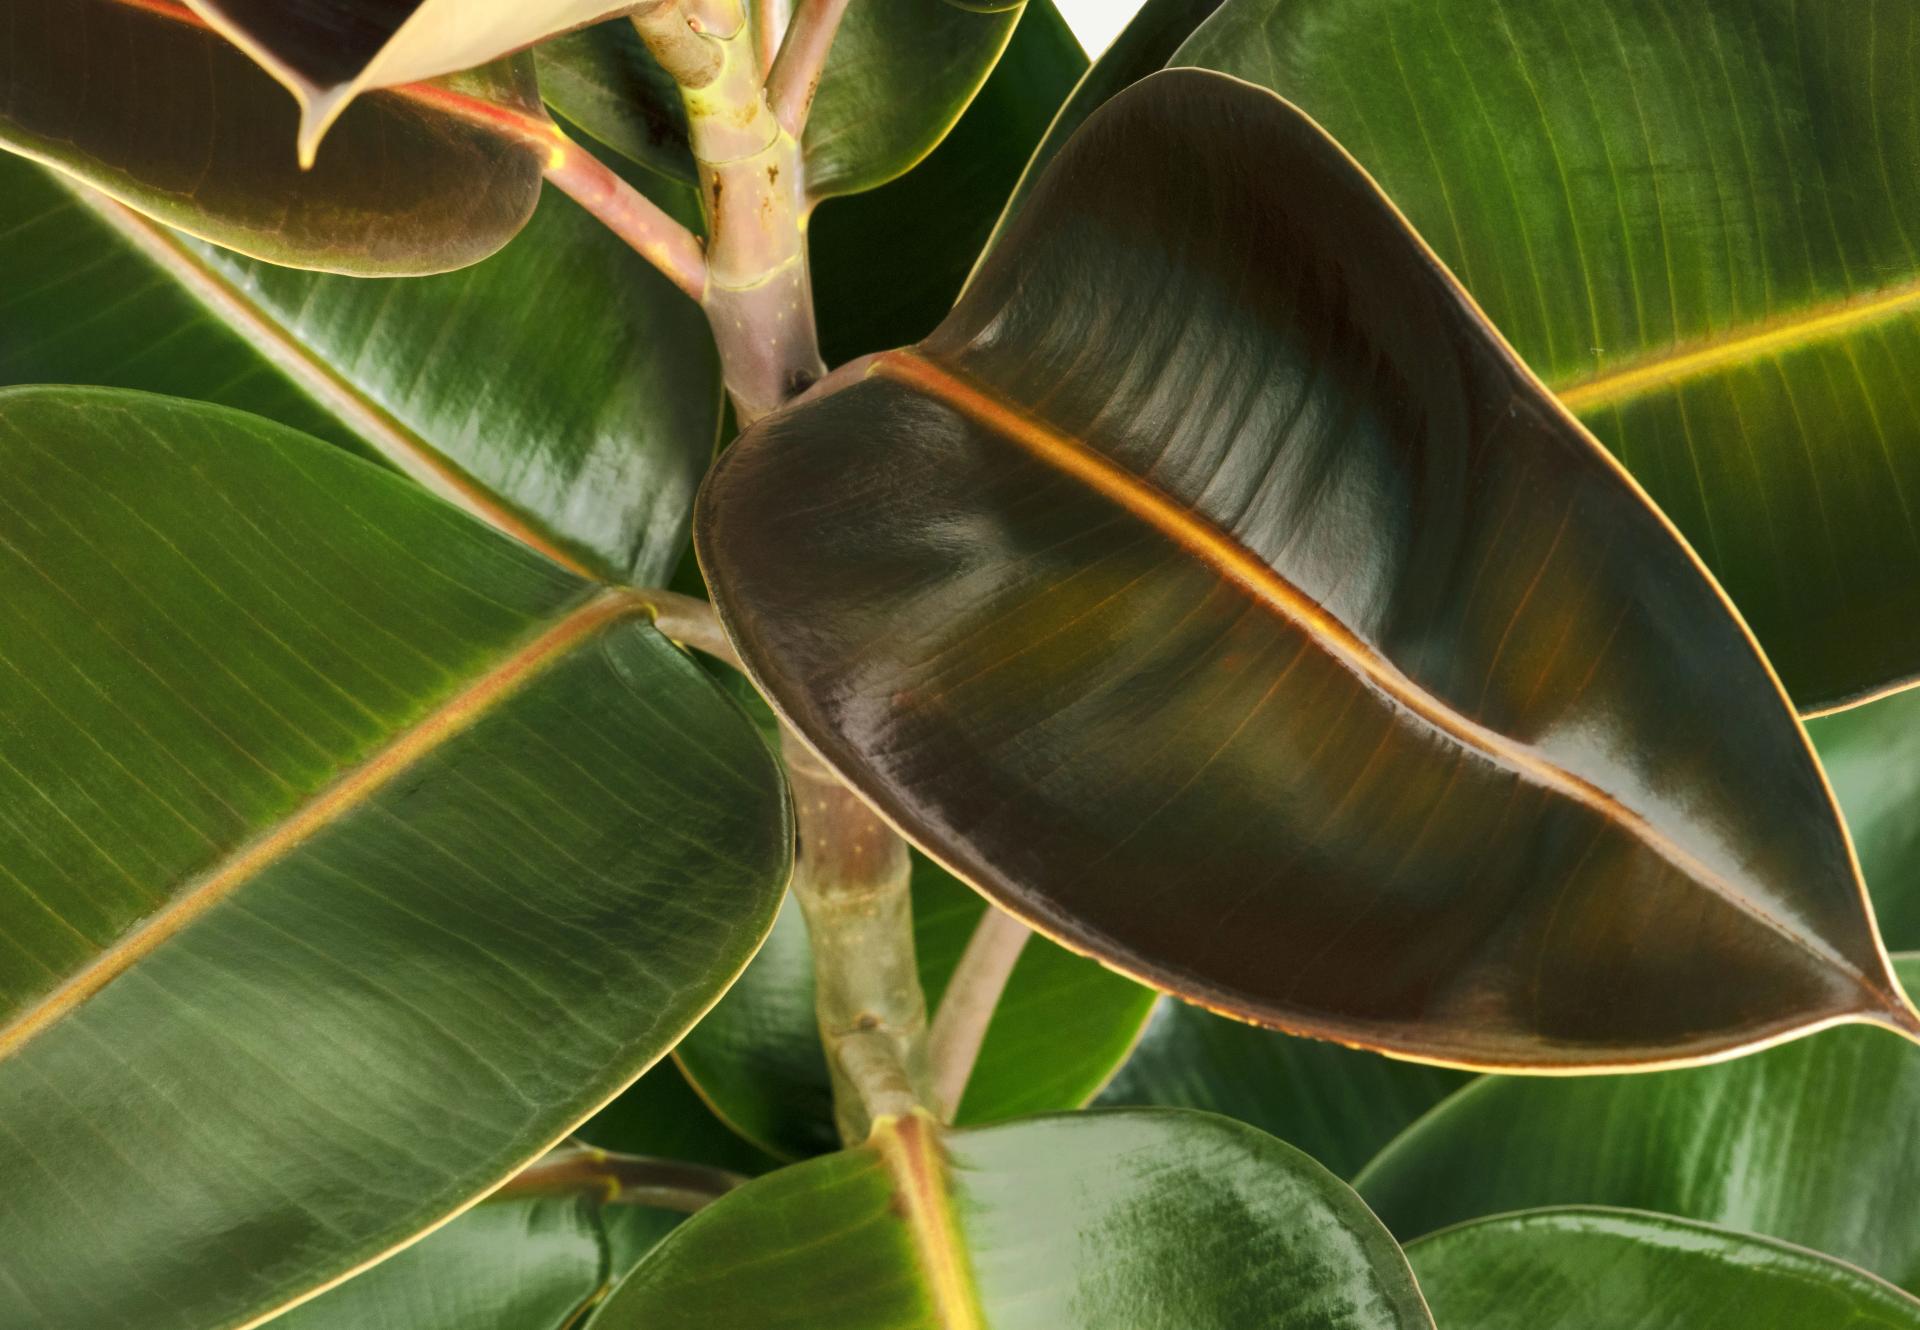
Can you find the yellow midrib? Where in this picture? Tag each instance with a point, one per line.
(910, 1149)
(352, 790)
(1692, 360)
(1201, 538)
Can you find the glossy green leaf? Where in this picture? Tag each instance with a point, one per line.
(1808, 1143)
(898, 77)
(138, 99)
(1062, 1026)
(1340, 1105)
(1576, 1269)
(327, 53)
(353, 854)
(1217, 592)
(1148, 1219)
(587, 435)
(888, 263)
(525, 1264)
(1872, 756)
(602, 79)
(1696, 222)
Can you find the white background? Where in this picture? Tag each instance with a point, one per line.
(1096, 22)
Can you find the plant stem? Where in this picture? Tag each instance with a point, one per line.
(960, 1026)
(796, 71)
(851, 878)
(769, 19)
(759, 292)
(663, 1184)
(629, 214)
(691, 623)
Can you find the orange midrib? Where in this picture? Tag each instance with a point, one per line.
(908, 1148)
(1203, 540)
(1697, 359)
(351, 791)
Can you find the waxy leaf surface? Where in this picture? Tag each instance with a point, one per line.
(1217, 592)
(1576, 1269)
(328, 52)
(585, 435)
(140, 100)
(1697, 223)
(1811, 1143)
(1872, 756)
(1061, 1028)
(353, 854)
(1148, 1219)
(1340, 1105)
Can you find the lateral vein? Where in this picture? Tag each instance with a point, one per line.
(451, 718)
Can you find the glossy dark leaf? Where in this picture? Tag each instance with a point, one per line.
(1217, 592)
(141, 101)
(354, 853)
(1340, 1105)
(1148, 1219)
(585, 435)
(328, 52)
(1872, 756)
(1576, 1269)
(1696, 222)
(1809, 1143)
(602, 79)
(1061, 1028)
(888, 263)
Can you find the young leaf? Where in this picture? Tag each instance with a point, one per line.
(327, 54)
(1061, 1027)
(1808, 1143)
(584, 434)
(1577, 1268)
(1340, 1105)
(353, 855)
(140, 100)
(1149, 1219)
(1217, 592)
(1697, 223)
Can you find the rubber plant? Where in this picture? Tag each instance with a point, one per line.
(1305, 589)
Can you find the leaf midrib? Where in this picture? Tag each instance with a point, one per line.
(451, 717)
(910, 1150)
(1684, 361)
(1207, 542)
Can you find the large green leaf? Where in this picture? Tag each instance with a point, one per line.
(1696, 222)
(1217, 592)
(1810, 1143)
(523, 1264)
(1576, 1269)
(1872, 756)
(1063, 1024)
(888, 263)
(1147, 1219)
(328, 53)
(1340, 1105)
(584, 434)
(140, 100)
(353, 854)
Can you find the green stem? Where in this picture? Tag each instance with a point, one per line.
(662, 1184)
(759, 291)
(851, 879)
